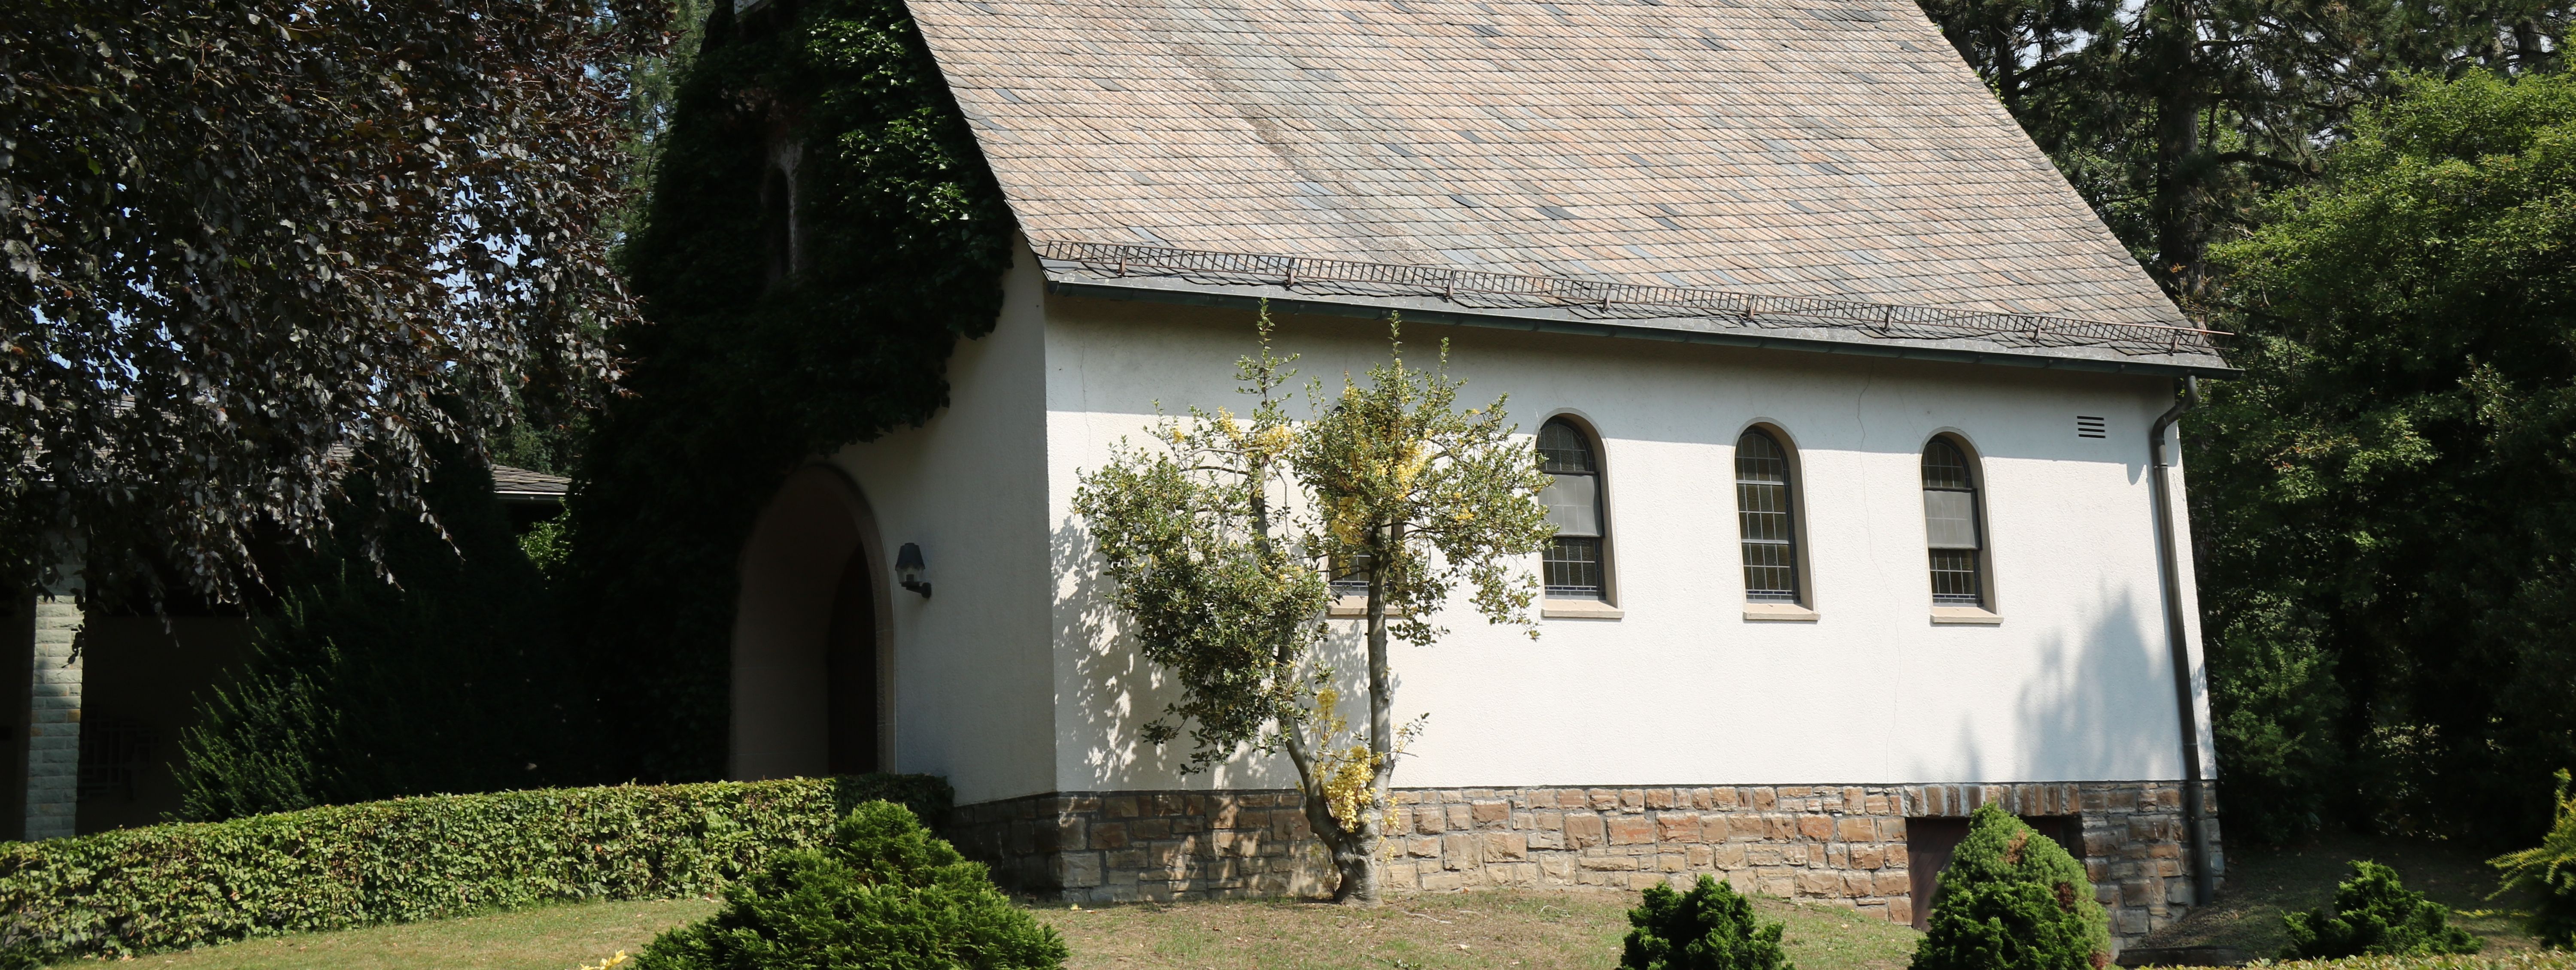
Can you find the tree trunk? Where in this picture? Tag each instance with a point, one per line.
(2179, 168)
(1357, 884)
(2007, 61)
(1357, 855)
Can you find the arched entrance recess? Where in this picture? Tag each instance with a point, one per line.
(811, 654)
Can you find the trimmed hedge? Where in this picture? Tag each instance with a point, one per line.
(2526, 960)
(171, 887)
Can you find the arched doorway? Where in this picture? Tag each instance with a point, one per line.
(810, 636)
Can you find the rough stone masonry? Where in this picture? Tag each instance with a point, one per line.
(1844, 845)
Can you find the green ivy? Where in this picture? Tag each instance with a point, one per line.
(733, 380)
(171, 887)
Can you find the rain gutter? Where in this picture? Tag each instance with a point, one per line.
(2195, 812)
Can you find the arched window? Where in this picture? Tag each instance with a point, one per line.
(1573, 499)
(1763, 494)
(1950, 523)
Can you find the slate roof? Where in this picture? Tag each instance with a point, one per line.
(1830, 151)
(512, 483)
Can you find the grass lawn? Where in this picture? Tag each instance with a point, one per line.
(1533, 930)
(545, 938)
(2262, 886)
(1484, 929)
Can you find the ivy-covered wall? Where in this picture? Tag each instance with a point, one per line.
(740, 371)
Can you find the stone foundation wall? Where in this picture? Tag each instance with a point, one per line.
(1839, 844)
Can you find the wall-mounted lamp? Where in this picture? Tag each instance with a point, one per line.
(909, 570)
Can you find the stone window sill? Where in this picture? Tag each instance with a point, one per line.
(1352, 608)
(1779, 612)
(1964, 616)
(1580, 610)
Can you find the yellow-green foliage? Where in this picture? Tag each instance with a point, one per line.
(1220, 542)
(2548, 872)
(175, 886)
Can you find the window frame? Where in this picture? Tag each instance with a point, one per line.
(1980, 486)
(1603, 605)
(1803, 604)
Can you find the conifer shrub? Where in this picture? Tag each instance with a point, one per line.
(2374, 915)
(2012, 899)
(1709, 928)
(882, 892)
(2548, 872)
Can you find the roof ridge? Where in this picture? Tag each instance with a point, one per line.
(1615, 300)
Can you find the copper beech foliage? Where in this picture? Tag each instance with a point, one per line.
(255, 247)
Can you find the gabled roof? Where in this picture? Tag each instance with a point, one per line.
(514, 484)
(1666, 164)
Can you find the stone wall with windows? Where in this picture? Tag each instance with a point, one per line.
(1840, 844)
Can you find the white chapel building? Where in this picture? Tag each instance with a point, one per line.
(1868, 403)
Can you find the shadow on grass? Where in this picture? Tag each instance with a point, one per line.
(2264, 886)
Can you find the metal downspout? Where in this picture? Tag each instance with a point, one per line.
(2204, 882)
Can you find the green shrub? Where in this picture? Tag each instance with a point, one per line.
(1708, 928)
(2372, 915)
(2548, 872)
(357, 689)
(2012, 899)
(882, 893)
(170, 887)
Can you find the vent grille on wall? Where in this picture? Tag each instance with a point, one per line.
(2087, 426)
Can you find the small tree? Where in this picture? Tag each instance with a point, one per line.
(2011, 899)
(1223, 542)
(1709, 928)
(883, 893)
(2373, 915)
(2549, 872)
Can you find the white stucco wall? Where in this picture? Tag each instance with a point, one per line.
(2075, 684)
(972, 684)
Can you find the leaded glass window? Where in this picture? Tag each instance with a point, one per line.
(1950, 524)
(1350, 574)
(1762, 497)
(1572, 565)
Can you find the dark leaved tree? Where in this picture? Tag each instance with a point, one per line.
(258, 247)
